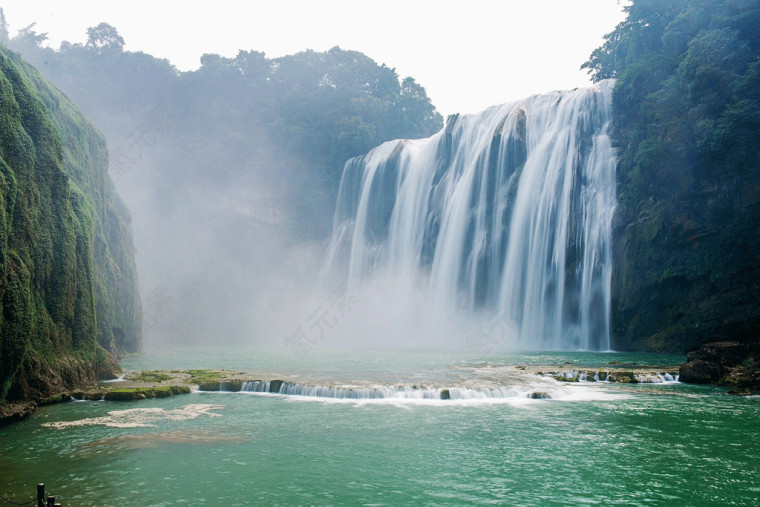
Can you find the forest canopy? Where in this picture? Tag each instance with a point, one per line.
(687, 84)
(300, 115)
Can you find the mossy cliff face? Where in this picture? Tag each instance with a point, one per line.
(67, 276)
(686, 123)
(687, 265)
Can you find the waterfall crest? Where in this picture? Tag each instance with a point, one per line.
(507, 212)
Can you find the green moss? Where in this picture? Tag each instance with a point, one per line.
(141, 393)
(150, 376)
(67, 277)
(205, 376)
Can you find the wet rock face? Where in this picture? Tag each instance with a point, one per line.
(699, 372)
(721, 353)
(686, 267)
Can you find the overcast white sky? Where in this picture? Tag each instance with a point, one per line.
(467, 54)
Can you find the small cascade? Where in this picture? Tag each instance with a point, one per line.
(351, 392)
(658, 378)
(120, 378)
(548, 388)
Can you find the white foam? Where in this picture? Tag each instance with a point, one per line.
(141, 417)
(657, 378)
(519, 394)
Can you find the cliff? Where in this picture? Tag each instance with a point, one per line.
(686, 123)
(67, 275)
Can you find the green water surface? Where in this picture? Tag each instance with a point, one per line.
(640, 445)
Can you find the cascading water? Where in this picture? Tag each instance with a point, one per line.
(508, 211)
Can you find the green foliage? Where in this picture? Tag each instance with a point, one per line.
(104, 37)
(687, 84)
(52, 183)
(223, 165)
(292, 121)
(686, 122)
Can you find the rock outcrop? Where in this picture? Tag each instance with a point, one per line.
(727, 363)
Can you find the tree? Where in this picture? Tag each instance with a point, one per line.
(104, 37)
(3, 28)
(27, 38)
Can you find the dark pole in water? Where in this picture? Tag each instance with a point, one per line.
(41, 494)
(51, 501)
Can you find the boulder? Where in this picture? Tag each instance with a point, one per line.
(232, 386)
(623, 377)
(699, 371)
(15, 412)
(725, 353)
(214, 385)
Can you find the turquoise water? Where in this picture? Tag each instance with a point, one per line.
(597, 443)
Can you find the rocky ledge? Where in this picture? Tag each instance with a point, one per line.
(727, 363)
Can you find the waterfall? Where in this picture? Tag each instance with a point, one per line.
(507, 212)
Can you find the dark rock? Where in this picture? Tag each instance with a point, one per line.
(727, 363)
(445, 394)
(141, 393)
(622, 377)
(699, 371)
(125, 395)
(15, 412)
(51, 400)
(539, 395)
(210, 386)
(722, 353)
(231, 386)
(275, 385)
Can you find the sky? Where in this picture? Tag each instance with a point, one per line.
(468, 55)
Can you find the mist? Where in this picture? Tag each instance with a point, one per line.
(230, 173)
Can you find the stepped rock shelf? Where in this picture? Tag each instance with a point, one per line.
(146, 384)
